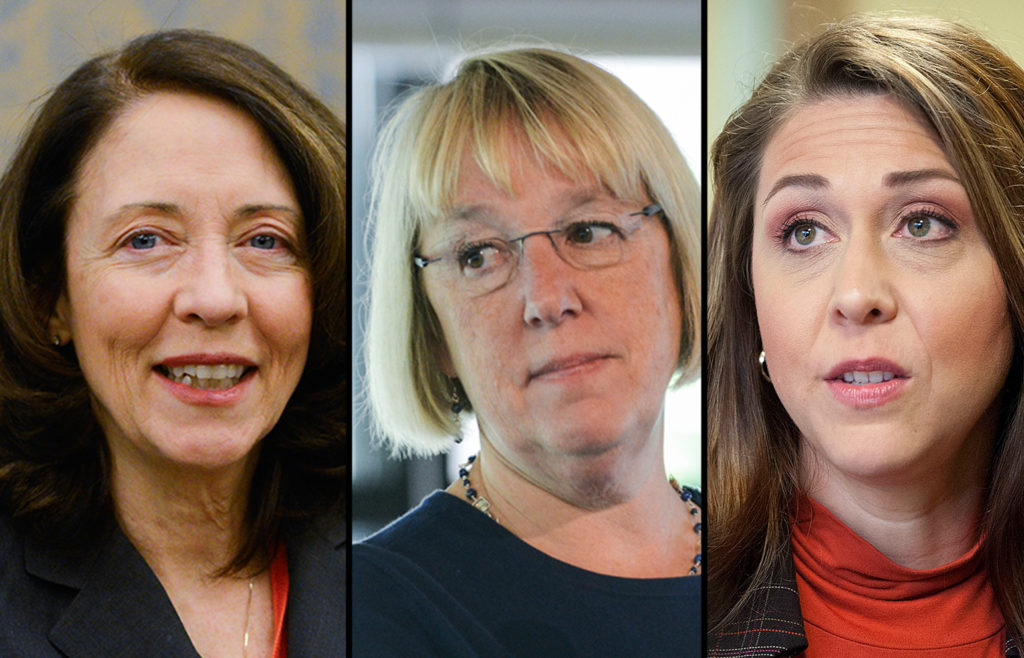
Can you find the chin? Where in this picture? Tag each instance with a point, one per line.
(207, 450)
(871, 460)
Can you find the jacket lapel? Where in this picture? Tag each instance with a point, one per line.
(770, 625)
(315, 616)
(120, 609)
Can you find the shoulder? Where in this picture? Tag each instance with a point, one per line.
(12, 565)
(770, 623)
(400, 608)
(30, 603)
(430, 526)
(403, 602)
(317, 584)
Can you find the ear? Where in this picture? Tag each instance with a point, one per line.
(59, 324)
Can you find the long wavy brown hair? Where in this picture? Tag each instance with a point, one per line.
(54, 477)
(973, 96)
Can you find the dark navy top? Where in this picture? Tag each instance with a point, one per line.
(446, 580)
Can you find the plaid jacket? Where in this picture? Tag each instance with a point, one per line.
(773, 626)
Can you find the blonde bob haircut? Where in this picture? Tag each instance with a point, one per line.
(576, 119)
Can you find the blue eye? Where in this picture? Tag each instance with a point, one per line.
(263, 241)
(143, 241)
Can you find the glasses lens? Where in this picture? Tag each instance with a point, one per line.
(592, 244)
(484, 266)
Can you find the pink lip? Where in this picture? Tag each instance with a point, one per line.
(867, 396)
(206, 360)
(569, 365)
(204, 398)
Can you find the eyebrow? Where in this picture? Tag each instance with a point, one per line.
(572, 199)
(810, 181)
(899, 178)
(174, 210)
(892, 179)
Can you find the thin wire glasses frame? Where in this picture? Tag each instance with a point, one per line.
(489, 264)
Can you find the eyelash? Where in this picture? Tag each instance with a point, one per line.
(932, 213)
(785, 232)
(126, 242)
(280, 241)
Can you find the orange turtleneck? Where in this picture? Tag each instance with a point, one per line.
(857, 602)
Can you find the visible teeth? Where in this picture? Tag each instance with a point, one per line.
(211, 378)
(858, 377)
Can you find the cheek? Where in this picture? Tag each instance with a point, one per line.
(783, 315)
(966, 327)
(478, 338)
(284, 315)
(460, 321)
(790, 316)
(111, 314)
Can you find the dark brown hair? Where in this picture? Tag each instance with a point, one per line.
(973, 96)
(53, 457)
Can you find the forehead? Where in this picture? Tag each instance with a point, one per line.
(164, 135)
(180, 147)
(826, 136)
(530, 181)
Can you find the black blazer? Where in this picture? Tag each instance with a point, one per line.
(106, 601)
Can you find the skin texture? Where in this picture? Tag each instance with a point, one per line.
(202, 288)
(182, 241)
(588, 434)
(890, 269)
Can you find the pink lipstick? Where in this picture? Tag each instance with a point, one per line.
(867, 383)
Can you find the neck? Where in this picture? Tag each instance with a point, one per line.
(920, 522)
(633, 526)
(186, 523)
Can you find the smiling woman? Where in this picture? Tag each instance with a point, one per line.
(180, 247)
(866, 287)
(171, 447)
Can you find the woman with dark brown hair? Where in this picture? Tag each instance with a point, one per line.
(171, 359)
(865, 313)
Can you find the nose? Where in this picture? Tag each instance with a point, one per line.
(863, 289)
(210, 290)
(548, 282)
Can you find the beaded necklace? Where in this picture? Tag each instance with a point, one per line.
(689, 496)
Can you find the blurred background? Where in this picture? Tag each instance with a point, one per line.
(746, 36)
(43, 41)
(652, 45)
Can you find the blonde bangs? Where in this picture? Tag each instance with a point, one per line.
(503, 103)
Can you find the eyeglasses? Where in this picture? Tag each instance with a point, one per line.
(595, 241)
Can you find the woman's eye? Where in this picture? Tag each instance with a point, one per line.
(589, 232)
(925, 228)
(804, 234)
(143, 241)
(263, 241)
(477, 257)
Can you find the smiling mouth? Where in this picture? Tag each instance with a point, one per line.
(862, 377)
(217, 377)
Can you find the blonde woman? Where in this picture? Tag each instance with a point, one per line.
(536, 262)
